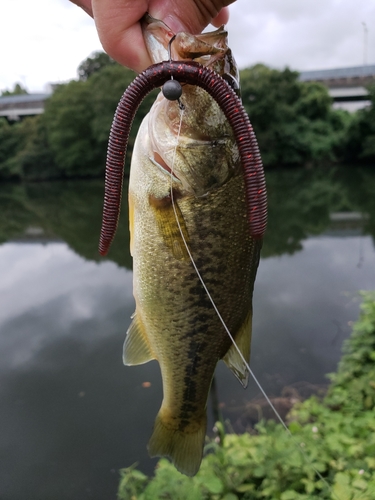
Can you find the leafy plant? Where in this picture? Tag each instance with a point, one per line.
(360, 138)
(294, 121)
(329, 454)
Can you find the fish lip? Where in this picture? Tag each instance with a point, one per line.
(209, 49)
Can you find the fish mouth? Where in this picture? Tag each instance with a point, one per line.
(209, 49)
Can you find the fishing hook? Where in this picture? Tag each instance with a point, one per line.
(170, 49)
(172, 89)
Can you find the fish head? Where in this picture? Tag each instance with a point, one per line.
(206, 155)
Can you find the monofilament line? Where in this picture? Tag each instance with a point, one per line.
(182, 111)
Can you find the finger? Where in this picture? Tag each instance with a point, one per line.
(85, 5)
(192, 16)
(117, 22)
(221, 18)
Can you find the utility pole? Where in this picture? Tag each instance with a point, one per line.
(365, 40)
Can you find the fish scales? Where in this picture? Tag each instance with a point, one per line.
(175, 321)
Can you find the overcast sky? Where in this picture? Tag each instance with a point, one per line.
(44, 41)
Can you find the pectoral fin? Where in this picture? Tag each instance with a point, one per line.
(171, 224)
(232, 358)
(137, 349)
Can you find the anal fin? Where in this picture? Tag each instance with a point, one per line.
(232, 358)
(137, 350)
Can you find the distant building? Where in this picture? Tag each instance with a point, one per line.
(14, 107)
(347, 86)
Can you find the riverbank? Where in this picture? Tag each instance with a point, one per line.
(336, 436)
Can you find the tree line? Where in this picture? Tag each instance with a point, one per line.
(294, 122)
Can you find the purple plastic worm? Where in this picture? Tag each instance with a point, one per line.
(194, 74)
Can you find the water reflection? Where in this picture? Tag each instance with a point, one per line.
(68, 211)
(301, 203)
(71, 414)
(67, 402)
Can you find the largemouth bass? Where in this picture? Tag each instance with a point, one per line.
(191, 194)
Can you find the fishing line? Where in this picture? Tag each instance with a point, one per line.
(298, 445)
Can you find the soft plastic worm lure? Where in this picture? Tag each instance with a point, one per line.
(190, 73)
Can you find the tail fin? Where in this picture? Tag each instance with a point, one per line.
(185, 449)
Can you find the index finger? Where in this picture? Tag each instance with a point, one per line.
(120, 33)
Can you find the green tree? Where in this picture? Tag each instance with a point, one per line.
(70, 138)
(94, 64)
(9, 146)
(104, 103)
(314, 102)
(78, 119)
(18, 89)
(293, 120)
(35, 159)
(106, 88)
(68, 115)
(24, 151)
(360, 140)
(294, 123)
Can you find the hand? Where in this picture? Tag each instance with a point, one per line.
(119, 28)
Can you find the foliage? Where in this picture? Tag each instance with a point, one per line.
(360, 139)
(93, 64)
(293, 121)
(106, 89)
(329, 454)
(35, 159)
(31, 159)
(69, 114)
(9, 146)
(356, 371)
(24, 152)
(70, 138)
(18, 89)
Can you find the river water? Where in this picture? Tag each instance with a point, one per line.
(71, 415)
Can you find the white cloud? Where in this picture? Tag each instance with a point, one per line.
(43, 41)
(303, 35)
(49, 293)
(33, 274)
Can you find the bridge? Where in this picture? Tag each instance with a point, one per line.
(14, 107)
(347, 86)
